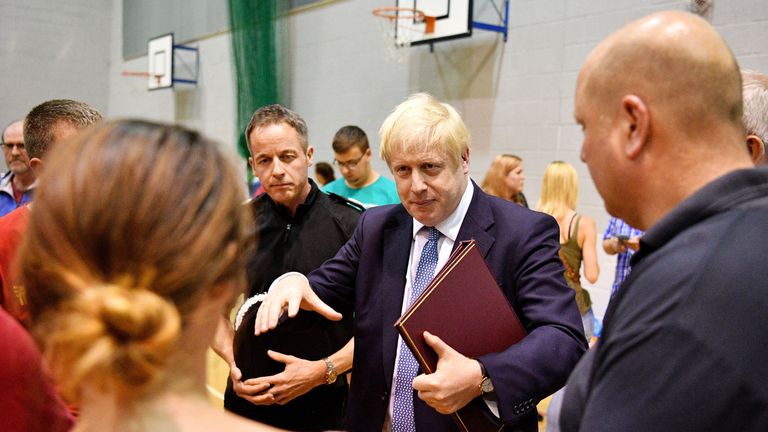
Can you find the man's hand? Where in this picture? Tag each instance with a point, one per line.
(291, 293)
(455, 382)
(299, 377)
(633, 243)
(253, 393)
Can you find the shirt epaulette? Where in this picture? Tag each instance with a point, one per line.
(341, 200)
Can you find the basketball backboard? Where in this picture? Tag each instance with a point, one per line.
(169, 63)
(160, 59)
(453, 19)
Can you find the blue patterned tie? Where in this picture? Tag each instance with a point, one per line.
(407, 367)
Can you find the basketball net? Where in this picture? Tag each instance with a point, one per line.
(398, 28)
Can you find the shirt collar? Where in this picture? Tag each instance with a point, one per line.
(452, 224)
(726, 192)
(302, 208)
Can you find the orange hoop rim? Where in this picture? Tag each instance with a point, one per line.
(392, 13)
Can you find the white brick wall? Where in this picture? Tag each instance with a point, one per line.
(48, 51)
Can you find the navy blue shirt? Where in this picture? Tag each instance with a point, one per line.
(684, 345)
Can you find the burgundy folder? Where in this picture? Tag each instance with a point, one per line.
(465, 307)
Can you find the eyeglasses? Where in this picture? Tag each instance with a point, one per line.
(348, 164)
(10, 146)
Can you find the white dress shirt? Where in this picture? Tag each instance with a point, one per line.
(449, 230)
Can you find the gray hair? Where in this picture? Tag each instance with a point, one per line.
(755, 104)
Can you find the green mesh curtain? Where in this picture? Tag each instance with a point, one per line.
(253, 24)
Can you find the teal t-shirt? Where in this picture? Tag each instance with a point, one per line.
(382, 191)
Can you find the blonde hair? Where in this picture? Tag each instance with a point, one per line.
(495, 183)
(559, 189)
(134, 226)
(422, 123)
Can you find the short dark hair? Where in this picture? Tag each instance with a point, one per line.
(276, 114)
(348, 137)
(40, 123)
(326, 170)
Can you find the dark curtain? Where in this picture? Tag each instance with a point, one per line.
(253, 24)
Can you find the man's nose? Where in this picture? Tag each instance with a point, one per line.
(418, 184)
(278, 169)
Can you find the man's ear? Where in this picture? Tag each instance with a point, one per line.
(756, 148)
(465, 160)
(250, 163)
(638, 123)
(37, 166)
(310, 152)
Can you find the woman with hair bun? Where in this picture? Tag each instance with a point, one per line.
(133, 251)
(505, 179)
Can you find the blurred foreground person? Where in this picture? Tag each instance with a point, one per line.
(29, 398)
(133, 251)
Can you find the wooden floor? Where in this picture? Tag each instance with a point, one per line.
(542, 407)
(218, 371)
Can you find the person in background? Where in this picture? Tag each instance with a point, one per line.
(506, 178)
(15, 185)
(125, 287)
(622, 239)
(755, 94)
(360, 182)
(324, 173)
(578, 238)
(46, 126)
(293, 378)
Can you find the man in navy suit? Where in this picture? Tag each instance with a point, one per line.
(426, 146)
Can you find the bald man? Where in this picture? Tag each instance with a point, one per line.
(755, 87)
(684, 346)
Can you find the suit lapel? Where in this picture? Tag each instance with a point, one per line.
(395, 262)
(477, 222)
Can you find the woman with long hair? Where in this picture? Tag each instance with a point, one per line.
(506, 178)
(134, 248)
(578, 237)
(578, 249)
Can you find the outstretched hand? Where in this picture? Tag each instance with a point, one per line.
(455, 382)
(291, 293)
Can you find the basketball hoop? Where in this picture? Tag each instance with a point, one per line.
(398, 27)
